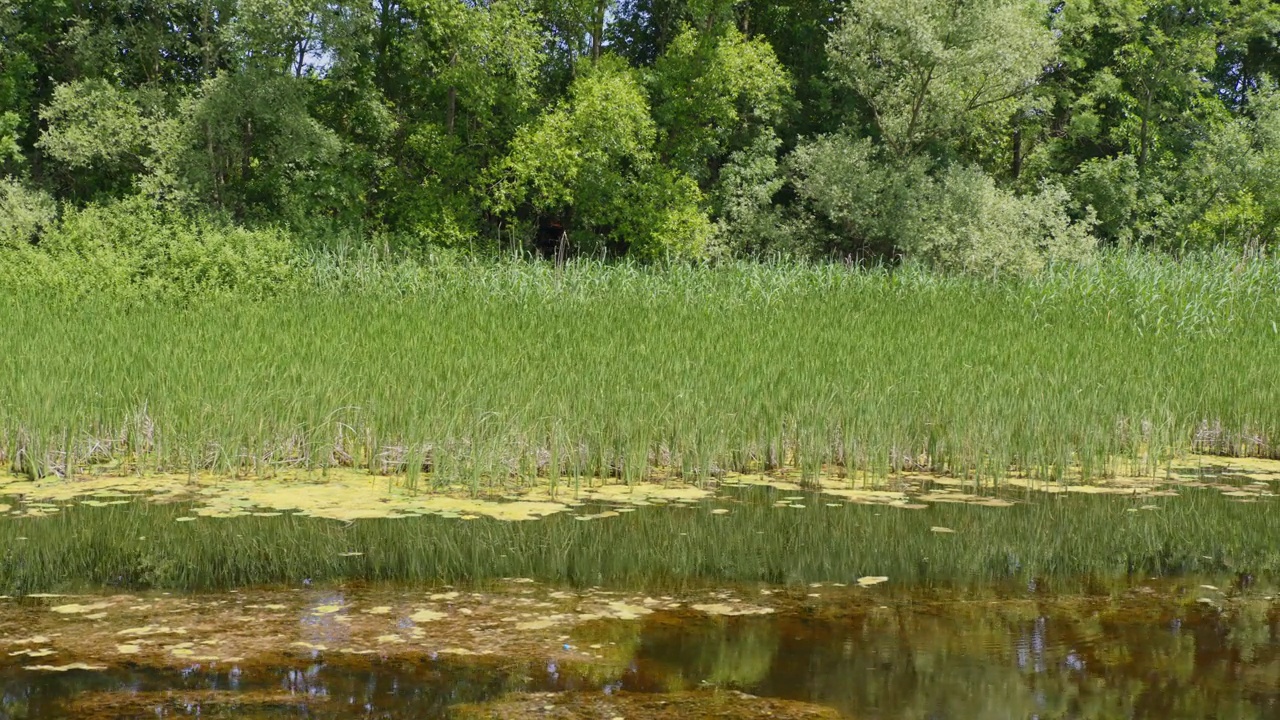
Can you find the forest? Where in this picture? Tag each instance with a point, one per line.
(212, 141)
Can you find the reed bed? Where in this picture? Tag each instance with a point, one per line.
(496, 374)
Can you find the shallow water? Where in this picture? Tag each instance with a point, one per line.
(1150, 649)
(948, 606)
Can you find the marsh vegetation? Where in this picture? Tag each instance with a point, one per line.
(492, 375)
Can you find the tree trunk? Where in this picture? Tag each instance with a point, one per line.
(597, 30)
(1015, 168)
(451, 111)
(1143, 141)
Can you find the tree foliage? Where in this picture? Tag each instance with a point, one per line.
(978, 135)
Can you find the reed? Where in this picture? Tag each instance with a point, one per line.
(493, 373)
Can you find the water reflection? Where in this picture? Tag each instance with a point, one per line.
(1097, 657)
(1093, 661)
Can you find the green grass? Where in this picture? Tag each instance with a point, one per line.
(1072, 538)
(489, 373)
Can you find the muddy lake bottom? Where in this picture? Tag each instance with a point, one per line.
(1143, 648)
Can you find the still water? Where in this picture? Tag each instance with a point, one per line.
(1146, 649)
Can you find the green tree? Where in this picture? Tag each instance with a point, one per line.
(932, 72)
(712, 94)
(591, 162)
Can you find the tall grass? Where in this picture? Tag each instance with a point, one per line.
(493, 373)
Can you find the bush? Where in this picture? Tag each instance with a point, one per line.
(24, 213)
(958, 220)
(860, 192)
(748, 221)
(971, 225)
(133, 248)
(1110, 185)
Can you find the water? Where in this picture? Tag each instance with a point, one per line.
(1144, 649)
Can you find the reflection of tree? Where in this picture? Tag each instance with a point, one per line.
(1087, 659)
(735, 652)
(618, 642)
(739, 656)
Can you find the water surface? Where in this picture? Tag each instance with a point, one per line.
(1141, 649)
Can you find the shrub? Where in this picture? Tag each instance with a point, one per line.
(860, 192)
(24, 213)
(971, 225)
(134, 248)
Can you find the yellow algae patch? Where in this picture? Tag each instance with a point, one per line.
(623, 611)
(645, 492)
(307, 645)
(731, 610)
(339, 495)
(1255, 468)
(864, 496)
(64, 668)
(33, 640)
(720, 511)
(380, 610)
(152, 630)
(427, 616)
(599, 516)
(42, 652)
(941, 530)
(536, 624)
(128, 649)
(57, 489)
(325, 609)
(870, 580)
(761, 480)
(75, 609)
(389, 639)
(352, 496)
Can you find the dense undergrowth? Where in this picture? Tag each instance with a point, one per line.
(491, 372)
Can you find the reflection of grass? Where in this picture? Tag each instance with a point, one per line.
(499, 372)
(142, 544)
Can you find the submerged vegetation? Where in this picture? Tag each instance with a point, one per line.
(741, 536)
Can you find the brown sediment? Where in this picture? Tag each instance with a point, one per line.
(723, 705)
(514, 620)
(679, 654)
(122, 704)
(519, 619)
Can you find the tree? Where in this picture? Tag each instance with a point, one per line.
(591, 162)
(713, 94)
(932, 72)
